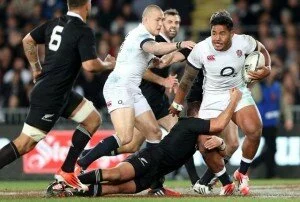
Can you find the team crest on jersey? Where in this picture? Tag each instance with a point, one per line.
(239, 53)
(108, 104)
(211, 58)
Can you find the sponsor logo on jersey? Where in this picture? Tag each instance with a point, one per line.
(143, 161)
(239, 53)
(48, 117)
(211, 58)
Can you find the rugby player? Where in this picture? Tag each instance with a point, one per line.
(70, 44)
(221, 57)
(137, 172)
(126, 104)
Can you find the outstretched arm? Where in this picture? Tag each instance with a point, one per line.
(162, 48)
(218, 124)
(97, 65)
(168, 82)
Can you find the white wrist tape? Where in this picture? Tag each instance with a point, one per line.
(177, 106)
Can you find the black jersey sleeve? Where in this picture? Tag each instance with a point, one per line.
(196, 125)
(38, 34)
(87, 45)
(185, 52)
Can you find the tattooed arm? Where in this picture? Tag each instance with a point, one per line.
(30, 49)
(185, 85)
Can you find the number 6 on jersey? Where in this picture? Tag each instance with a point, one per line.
(55, 38)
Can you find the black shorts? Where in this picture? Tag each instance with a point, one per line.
(159, 103)
(196, 92)
(160, 107)
(45, 118)
(146, 165)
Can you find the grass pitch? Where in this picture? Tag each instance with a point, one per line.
(261, 190)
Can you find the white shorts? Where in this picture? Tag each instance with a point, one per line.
(119, 97)
(213, 104)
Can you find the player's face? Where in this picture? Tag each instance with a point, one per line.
(171, 24)
(154, 22)
(221, 37)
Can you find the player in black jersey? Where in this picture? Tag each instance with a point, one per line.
(205, 184)
(69, 44)
(139, 170)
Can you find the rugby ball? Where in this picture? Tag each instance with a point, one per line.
(253, 61)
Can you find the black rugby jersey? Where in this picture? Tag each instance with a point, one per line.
(180, 144)
(68, 42)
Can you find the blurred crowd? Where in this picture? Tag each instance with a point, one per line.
(274, 23)
(108, 19)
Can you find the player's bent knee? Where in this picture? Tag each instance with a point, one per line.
(129, 148)
(254, 131)
(33, 132)
(125, 139)
(86, 109)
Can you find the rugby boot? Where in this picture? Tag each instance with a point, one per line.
(164, 192)
(227, 190)
(58, 189)
(202, 189)
(242, 180)
(78, 170)
(71, 180)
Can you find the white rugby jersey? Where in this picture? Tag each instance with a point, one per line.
(132, 61)
(222, 69)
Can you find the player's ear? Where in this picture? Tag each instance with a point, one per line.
(231, 33)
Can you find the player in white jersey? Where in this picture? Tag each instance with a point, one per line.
(127, 106)
(221, 58)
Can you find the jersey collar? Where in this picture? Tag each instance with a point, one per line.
(70, 13)
(165, 37)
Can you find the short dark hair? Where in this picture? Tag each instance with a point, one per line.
(171, 11)
(221, 17)
(76, 3)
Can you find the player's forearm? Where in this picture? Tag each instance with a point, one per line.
(218, 124)
(30, 49)
(265, 52)
(96, 65)
(150, 76)
(160, 48)
(186, 83)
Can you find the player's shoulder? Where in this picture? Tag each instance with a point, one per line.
(240, 38)
(201, 46)
(141, 32)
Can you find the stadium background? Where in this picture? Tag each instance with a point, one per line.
(273, 22)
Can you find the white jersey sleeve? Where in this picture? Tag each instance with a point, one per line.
(132, 60)
(249, 43)
(195, 57)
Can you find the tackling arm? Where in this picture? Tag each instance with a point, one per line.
(218, 124)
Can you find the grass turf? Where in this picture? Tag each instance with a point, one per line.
(32, 191)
